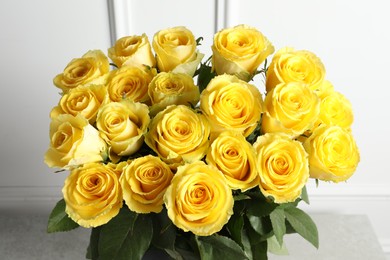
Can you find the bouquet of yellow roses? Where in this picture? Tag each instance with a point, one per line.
(207, 170)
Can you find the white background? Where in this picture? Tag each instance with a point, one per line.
(38, 38)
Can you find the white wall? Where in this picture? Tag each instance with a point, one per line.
(38, 38)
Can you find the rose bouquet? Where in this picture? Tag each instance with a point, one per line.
(207, 170)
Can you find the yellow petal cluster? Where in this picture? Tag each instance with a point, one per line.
(231, 104)
(144, 182)
(199, 199)
(239, 51)
(90, 68)
(283, 167)
(236, 159)
(92, 194)
(179, 134)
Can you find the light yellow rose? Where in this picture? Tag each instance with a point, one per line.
(290, 65)
(324, 89)
(144, 183)
(178, 134)
(73, 141)
(236, 159)
(239, 51)
(130, 83)
(336, 110)
(83, 100)
(231, 104)
(123, 125)
(283, 167)
(90, 68)
(176, 51)
(92, 194)
(290, 108)
(333, 153)
(169, 88)
(132, 51)
(199, 199)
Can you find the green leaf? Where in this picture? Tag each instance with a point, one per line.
(92, 250)
(278, 224)
(258, 212)
(204, 76)
(256, 133)
(260, 208)
(303, 225)
(126, 236)
(258, 244)
(235, 226)
(59, 220)
(164, 234)
(219, 247)
(305, 196)
(275, 248)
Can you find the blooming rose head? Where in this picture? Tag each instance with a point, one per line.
(333, 153)
(130, 83)
(283, 167)
(90, 68)
(240, 51)
(123, 125)
(335, 110)
(132, 51)
(92, 194)
(178, 134)
(236, 159)
(289, 65)
(144, 183)
(82, 100)
(73, 141)
(199, 199)
(175, 49)
(290, 108)
(169, 88)
(231, 104)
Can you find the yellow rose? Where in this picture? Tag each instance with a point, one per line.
(290, 108)
(90, 68)
(82, 100)
(73, 141)
(333, 153)
(240, 51)
(289, 65)
(169, 88)
(324, 89)
(175, 49)
(336, 110)
(283, 167)
(178, 134)
(231, 104)
(130, 83)
(199, 199)
(132, 51)
(144, 183)
(92, 194)
(236, 159)
(123, 125)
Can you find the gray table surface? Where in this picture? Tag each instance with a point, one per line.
(343, 237)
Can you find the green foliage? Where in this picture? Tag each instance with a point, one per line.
(219, 247)
(127, 236)
(302, 224)
(205, 74)
(59, 220)
(278, 224)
